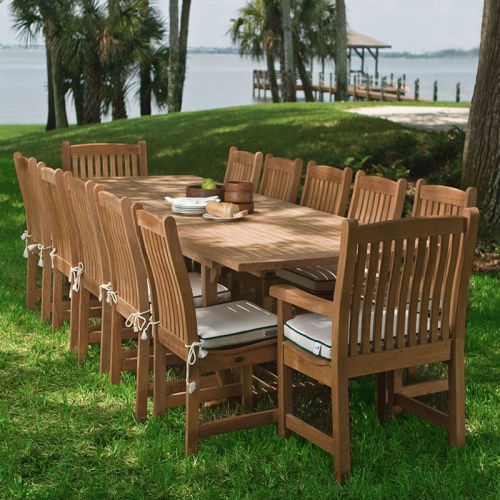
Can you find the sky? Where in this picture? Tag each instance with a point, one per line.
(406, 25)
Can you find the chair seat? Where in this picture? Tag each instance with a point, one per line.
(223, 293)
(314, 278)
(234, 323)
(313, 332)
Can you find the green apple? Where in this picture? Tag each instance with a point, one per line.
(208, 184)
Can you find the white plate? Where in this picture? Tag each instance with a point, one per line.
(221, 219)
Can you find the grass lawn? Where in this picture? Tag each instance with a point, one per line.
(66, 432)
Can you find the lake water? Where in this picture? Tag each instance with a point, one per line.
(213, 81)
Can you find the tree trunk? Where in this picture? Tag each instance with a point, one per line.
(481, 166)
(56, 73)
(341, 50)
(92, 93)
(271, 73)
(289, 89)
(177, 54)
(119, 106)
(51, 114)
(145, 90)
(306, 80)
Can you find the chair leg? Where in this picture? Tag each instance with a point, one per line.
(115, 368)
(456, 396)
(340, 422)
(31, 280)
(285, 388)
(159, 378)
(46, 287)
(142, 378)
(57, 299)
(83, 329)
(105, 355)
(192, 432)
(74, 319)
(246, 379)
(385, 394)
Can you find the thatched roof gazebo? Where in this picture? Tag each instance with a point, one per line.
(359, 44)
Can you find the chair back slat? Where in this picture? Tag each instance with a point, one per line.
(244, 166)
(105, 159)
(376, 199)
(326, 188)
(399, 285)
(173, 304)
(441, 200)
(281, 178)
(27, 176)
(92, 247)
(62, 226)
(127, 269)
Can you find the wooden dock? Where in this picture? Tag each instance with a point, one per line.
(362, 89)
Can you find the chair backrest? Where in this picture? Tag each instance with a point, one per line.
(62, 226)
(244, 166)
(172, 298)
(105, 159)
(281, 178)
(376, 199)
(441, 200)
(127, 270)
(29, 185)
(403, 284)
(326, 188)
(92, 248)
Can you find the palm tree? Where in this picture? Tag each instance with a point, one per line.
(341, 53)
(178, 37)
(46, 17)
(289, 87)
(257, 32)
(81, 47)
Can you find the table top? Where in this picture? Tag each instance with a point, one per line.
(276, 235)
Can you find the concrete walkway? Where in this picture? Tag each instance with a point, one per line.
(419, 117)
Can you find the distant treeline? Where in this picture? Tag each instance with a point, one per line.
(430, 55)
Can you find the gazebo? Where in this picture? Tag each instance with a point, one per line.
(358, 44)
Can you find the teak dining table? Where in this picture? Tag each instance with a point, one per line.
(276, 235)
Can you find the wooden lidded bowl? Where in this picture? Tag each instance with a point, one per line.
(196, 191)
(241, 193)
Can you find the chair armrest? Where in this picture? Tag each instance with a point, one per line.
(300, 298)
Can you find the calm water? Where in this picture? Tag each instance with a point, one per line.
(212, 81)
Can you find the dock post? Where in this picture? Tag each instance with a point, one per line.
(435, 92)
(417, 89)
(392, 79)
(458, 92)
(398, 91)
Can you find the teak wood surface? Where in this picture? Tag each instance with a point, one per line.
(278, 234)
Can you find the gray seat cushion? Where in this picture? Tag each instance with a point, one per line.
(223, 293)
(314, 278)
(234, 323)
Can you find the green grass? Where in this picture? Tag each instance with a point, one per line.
(65, 432)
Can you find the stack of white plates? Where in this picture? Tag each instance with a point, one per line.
(189, 206)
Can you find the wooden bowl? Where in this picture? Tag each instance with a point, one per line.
(196, 191)
(246, 206)
(239, 186)
(238, 197)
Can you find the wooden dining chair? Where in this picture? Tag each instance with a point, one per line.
(281, 178)
(235, 335)
(400, 300)
(96, 275)
(36, 237)
(326, 188)
(441, 200)
(128, 294)
(105, 159)
(374, 199)
(66, 264)
(243, 166)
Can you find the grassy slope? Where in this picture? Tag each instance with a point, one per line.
(65, 432)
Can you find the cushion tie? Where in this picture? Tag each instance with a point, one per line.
(75, 273)
(52, 256)
(191, 360)
(139, 322)
(41, 248)
(110, 294)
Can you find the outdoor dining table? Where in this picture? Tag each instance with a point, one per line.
(276, 235)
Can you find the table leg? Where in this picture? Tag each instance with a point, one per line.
(209, 280)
